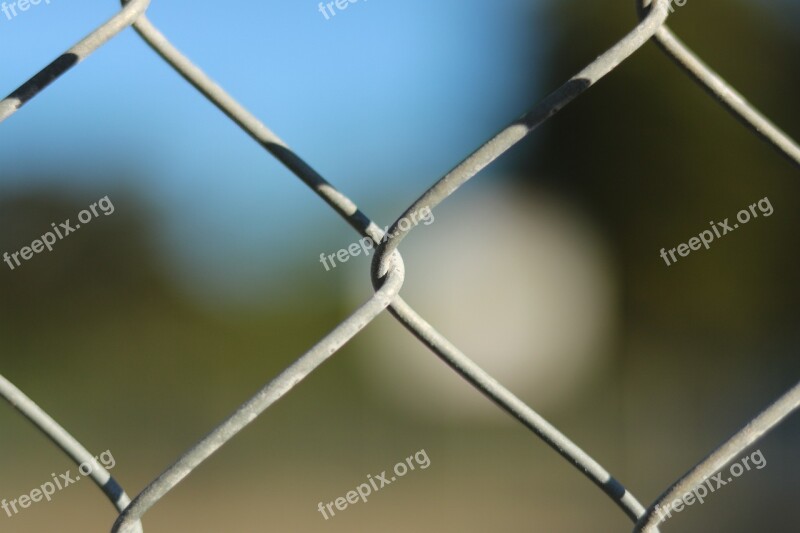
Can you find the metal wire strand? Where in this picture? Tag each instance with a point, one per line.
(61, 438)
(722, 91)
(256, 129)
(506, 400)
(519, 129)
(727, 452)
(262, 400)
(132, 9)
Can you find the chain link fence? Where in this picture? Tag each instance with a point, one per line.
(388, 272)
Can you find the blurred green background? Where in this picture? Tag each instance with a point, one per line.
(545, 270)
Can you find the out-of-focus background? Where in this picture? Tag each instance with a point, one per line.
(142, 330)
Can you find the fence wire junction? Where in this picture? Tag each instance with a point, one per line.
(388, 272)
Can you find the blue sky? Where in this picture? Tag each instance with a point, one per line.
(382, 99)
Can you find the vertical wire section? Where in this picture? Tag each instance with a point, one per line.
(723, 92)
(262, 400)
(446, 186)
(730, 450)
(61, 438)
(132, 9)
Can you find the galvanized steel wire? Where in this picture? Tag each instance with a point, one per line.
(388, 272)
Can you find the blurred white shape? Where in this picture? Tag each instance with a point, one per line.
(521, 283)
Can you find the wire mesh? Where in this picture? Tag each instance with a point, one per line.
(388, 272)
